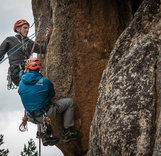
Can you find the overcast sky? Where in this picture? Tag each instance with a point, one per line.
(11, 109)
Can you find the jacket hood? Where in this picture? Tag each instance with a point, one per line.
(31, 77)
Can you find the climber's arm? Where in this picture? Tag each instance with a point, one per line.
(51, 91)
(4, 47)
(43, 47)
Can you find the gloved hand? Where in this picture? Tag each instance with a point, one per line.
(48, 32)
(47, 120)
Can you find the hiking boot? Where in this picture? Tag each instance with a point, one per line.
(70, 135)
(51, 141)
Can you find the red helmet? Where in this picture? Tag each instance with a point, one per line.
(20, 23)
(33, 64)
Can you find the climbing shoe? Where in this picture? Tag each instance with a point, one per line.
(70, 135)
(51, 141)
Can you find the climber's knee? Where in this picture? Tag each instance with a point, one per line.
(52, 111)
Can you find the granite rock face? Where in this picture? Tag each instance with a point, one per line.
(83, 35)
(127, 117)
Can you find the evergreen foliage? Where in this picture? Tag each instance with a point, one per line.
(3, 152)
(30, 150)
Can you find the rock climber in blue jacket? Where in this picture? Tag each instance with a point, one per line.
(36, 93)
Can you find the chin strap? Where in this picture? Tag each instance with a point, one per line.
(19, 33)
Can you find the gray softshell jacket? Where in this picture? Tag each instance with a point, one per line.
(23, 53)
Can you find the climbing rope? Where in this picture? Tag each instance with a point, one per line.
(46, 121)
(35, 35)
(39, 128)
(32, 24)
(23, 128)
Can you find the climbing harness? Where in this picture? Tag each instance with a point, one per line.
(22, 42)
(21, 72)
(23, 127)
(46, 121)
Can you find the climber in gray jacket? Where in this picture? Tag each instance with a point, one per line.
(17, 60)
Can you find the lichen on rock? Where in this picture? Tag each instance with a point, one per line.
(124, 121)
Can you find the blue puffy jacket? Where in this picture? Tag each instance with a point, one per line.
(35, 91)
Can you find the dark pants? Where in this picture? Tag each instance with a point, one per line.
(15, 70)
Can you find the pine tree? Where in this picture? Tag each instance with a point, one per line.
(3, 152)
(30, 150)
